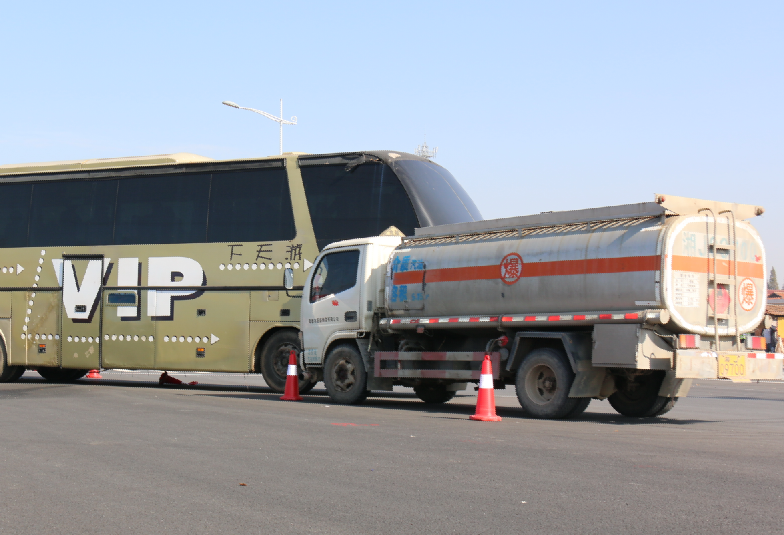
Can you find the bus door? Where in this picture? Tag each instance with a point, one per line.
(81, 278)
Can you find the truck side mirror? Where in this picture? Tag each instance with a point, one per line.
(288, 279)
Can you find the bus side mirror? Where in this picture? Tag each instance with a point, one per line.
(288, 279)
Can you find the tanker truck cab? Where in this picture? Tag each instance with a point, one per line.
(342, 292)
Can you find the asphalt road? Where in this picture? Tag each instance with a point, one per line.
(124, 456)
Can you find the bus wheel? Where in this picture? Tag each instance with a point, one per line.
(434, 393)
(345, 376)
(8, 374)
(639, 397)
(274, 361)
(543, 383)
(60, 375)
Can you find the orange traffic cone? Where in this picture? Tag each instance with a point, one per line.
(485, 401)
(291, 393)
(94, 374)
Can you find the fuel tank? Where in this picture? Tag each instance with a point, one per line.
(700, 261)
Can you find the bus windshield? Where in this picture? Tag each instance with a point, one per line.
(438, 197)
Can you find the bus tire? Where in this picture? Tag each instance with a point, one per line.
(61, 375)
(345, 376)
(8, 374)
(640, 397)
(433, 394)
(543, 383)
(274, 361)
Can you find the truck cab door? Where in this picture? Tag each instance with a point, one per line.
(334, 297)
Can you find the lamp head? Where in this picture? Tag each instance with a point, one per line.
(230, 103)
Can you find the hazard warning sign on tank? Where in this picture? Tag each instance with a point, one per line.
(511, 268)
(747, 294)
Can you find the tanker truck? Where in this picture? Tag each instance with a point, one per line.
(626, 303)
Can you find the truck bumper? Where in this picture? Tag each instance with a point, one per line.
(739, 366)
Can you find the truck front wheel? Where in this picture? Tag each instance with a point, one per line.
(543, 383)
(639, 397)
(345, 376)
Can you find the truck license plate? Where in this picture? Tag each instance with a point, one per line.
(733, 367)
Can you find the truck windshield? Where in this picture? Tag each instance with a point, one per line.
(335, 273)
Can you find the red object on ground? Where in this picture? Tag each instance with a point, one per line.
(166, 379)
(485, 401)
(291, 392)
(94, 374)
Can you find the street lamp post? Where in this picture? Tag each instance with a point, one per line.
(280, 120)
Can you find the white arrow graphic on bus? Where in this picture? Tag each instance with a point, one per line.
(306, 264)
(19, 269)
(213, 339)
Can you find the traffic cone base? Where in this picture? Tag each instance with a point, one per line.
(485, 401)
(94, 374)
(291, 392)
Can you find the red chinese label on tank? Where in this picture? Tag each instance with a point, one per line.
(511, 268)
(747, 294)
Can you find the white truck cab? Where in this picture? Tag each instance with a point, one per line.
(343, 290)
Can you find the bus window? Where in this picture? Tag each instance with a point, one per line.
(14, 214)
(337, 272)
(250, 206)
(162, 209)
(349, 204)
(72, 212)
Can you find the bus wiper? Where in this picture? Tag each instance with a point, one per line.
(365, 158)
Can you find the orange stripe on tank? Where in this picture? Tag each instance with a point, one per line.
(626, 264)
(724, 268)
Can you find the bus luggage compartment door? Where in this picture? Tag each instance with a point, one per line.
(208, 332)
(82, 279)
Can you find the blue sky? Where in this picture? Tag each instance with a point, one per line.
(534, 106)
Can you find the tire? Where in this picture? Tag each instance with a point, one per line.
(274, 361)
(345, 376)
(578, 409)
(8, 374)
(640, 398)
(543, 383)
(60, 375)
(434, 394)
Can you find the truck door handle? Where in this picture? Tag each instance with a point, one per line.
(350, 315)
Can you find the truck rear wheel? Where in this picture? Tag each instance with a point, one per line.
(274, 361)
(60, 375)
(345, 376)
(433, 394)
(639, 397)
(8, 374)
(543, 383)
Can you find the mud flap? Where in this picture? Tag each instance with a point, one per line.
(588, 380)
(674, 387)
(373, 383)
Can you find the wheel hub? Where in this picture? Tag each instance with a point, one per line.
(344, 375)
(541, 384)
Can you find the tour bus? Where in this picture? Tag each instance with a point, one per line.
(177, 262)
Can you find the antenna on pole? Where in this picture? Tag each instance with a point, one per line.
(280, 120)
(426, 152)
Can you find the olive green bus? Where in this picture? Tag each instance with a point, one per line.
(177, 262)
